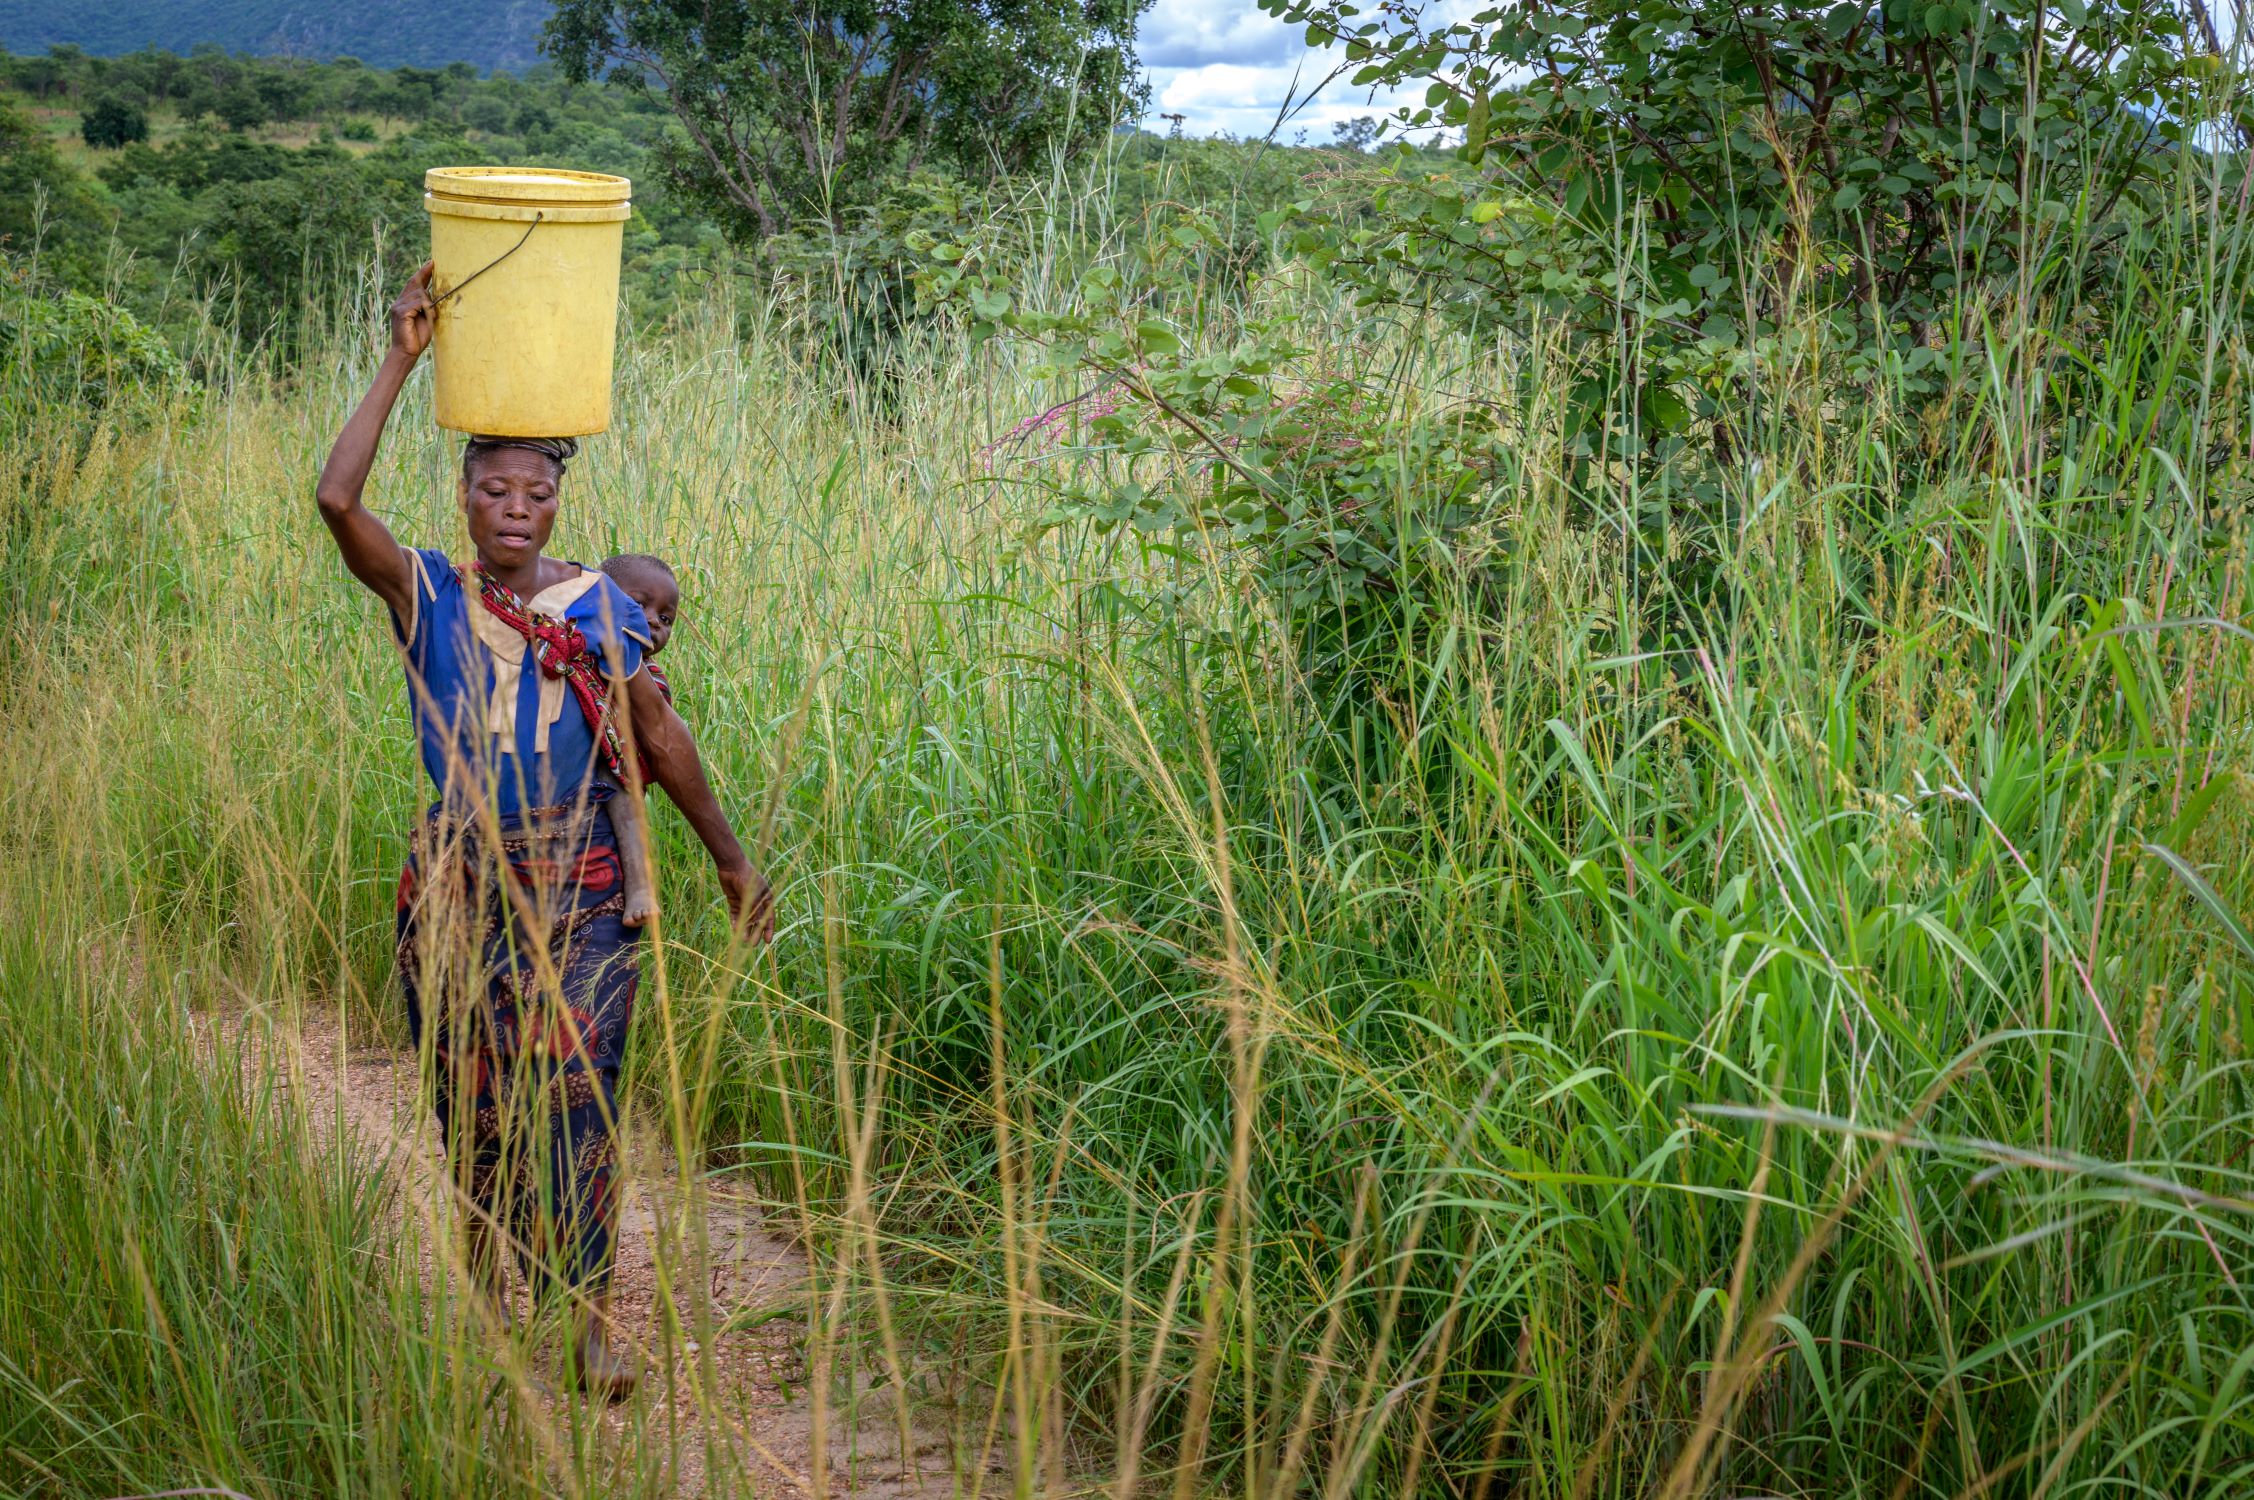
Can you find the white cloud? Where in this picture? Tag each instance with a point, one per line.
(1228, 67)
(1193, 33)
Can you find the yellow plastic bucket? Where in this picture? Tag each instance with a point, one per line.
(526, 277)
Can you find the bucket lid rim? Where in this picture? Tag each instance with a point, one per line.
(528, 184)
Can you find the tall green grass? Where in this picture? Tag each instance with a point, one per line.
(201, 1281)
(1764, 1014)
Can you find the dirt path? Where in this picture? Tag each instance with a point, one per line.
(744, 1401)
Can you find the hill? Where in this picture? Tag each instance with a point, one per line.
(387, 33)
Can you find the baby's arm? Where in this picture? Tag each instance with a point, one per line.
(629, 819)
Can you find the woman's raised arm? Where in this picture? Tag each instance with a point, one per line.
(370, 551)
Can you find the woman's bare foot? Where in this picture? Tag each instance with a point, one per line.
(604, 1370)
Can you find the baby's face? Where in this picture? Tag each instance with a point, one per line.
(660, 602)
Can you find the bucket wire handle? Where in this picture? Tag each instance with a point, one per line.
(456, 289)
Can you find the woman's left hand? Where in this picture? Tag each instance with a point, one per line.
(751, 899)
(672, 755)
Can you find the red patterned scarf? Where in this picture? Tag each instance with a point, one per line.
(561, 650)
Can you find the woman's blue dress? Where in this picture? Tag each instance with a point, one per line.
(518, 974)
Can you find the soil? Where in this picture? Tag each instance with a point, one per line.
(738, 1401)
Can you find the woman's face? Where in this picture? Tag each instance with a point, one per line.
(509, 498)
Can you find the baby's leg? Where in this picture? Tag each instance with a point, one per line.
(629, 821)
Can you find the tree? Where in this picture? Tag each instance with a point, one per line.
(149, 74)
(241, 107)
(487, 114)
(41, 77)
(1689, 169)
(113, 122)
(27, 163)
(284, 90)
(794, 110)
(43, 202)
(415, 92)
(285, 238)
(1357, 134)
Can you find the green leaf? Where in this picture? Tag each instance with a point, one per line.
(2206, 894)
(1665, 410)
(1157, 336)
(2028, 1333)
(1812, 1363)
(2195, 810)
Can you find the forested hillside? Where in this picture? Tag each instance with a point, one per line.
(159, 179)
(387, 33)
(154, 181)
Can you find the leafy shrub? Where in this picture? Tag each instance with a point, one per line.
(112, 122)
(1705, 174)
(853, 284)
(242, 108)
(200, 159)
(286, 238)
(488, 115)
(1355, 504)
(38, 190)
(792, 112)
(66, 345)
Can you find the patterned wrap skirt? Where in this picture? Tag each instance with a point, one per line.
(519, 980)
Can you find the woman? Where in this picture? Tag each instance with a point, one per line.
(524, 674)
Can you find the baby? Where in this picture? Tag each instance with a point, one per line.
(650, 583)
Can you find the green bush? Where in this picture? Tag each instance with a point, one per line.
(112, 122)
(67, 344)
(267, 228)
(241, 108)
(1713, 176)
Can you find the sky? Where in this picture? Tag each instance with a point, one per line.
(1227, 66)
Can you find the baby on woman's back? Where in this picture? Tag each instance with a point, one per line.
(649, 582)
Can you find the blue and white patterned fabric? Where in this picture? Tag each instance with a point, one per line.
(480, 712)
